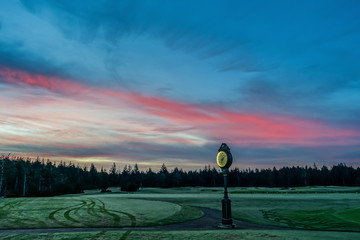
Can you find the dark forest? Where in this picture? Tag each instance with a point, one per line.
(26, 177)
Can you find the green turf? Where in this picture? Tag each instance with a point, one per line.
(321, 219)
(90, 211)
(335, 208)
(185, 235)
(352, 215)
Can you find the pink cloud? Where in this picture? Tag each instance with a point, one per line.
(213, 123)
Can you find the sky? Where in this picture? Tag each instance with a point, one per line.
(153, 82)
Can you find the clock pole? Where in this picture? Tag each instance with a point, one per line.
(226, 221)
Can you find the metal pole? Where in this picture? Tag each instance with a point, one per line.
(226, 205)
(225, 187)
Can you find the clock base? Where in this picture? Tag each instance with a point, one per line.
(226, 226)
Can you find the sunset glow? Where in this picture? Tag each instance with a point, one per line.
(171, 90)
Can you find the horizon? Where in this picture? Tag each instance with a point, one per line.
(156, 168)
(167, 82)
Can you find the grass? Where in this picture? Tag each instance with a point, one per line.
(321, 219)
(335, 208)
(185, 235)
(295, 190)
(315, 208)
(90, 211)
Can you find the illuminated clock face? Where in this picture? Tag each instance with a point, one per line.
(222, 159)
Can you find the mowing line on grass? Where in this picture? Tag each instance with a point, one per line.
(125, 235)
(130, 216)
(52, 215)
(96, 236)
(116, 218)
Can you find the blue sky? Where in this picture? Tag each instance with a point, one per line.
(168, 81)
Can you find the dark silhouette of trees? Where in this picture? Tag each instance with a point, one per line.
(26, 177)
(149, 178)
(114, 178)
(104, 180)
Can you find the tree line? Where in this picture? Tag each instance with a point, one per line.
(23, 177)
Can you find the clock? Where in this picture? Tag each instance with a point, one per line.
(224, 158)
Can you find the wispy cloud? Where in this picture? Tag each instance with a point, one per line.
(240, 128)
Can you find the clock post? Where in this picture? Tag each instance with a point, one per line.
(224, 160)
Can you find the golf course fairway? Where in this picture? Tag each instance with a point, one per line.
(304, 213)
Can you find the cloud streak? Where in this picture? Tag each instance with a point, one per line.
(210, 121)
